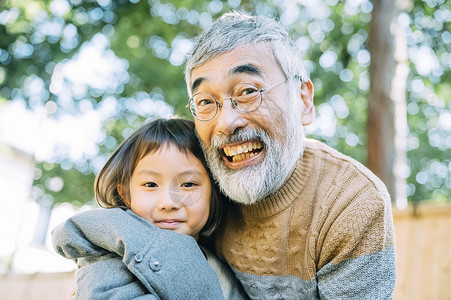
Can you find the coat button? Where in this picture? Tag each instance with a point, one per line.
(138, 258)
(155, 265)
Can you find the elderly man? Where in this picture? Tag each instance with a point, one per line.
(307, 221)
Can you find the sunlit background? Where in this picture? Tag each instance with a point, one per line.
(77, 77)
(31, 135)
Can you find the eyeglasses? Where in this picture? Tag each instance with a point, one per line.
(245, 97)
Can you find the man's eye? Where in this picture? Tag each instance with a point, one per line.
(188, 184)
(248, 91)
(150, 184)
(204, 102)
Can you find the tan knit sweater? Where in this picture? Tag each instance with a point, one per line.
(326, 233)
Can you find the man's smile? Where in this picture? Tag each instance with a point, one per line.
(245, 153)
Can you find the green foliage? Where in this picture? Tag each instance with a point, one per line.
(63, 182)
(151, 37)
(429, 103)
(341, 85)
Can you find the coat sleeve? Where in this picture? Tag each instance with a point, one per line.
(106, 277)
(113, 241)
(358, 260)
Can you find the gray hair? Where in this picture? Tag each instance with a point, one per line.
(235, 29)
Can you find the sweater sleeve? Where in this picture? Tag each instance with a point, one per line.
(357, 260)
(118, 246)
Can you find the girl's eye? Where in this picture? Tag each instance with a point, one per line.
(188, 184)
(150, 184)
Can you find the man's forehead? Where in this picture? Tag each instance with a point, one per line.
(251, 59)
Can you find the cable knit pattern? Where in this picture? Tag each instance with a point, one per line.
(327, 233)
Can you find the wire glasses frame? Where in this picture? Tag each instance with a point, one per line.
(245, 97)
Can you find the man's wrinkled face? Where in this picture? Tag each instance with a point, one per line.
(249, 154)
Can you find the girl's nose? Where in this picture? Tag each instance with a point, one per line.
(169, 200)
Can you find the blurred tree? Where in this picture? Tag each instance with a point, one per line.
(387, 120)
(143, 43)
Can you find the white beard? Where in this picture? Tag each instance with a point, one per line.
(253, 183)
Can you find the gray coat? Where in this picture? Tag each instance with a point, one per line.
(123, 256)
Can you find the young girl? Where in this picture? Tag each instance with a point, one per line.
(159, 193)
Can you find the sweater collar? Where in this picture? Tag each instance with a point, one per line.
(286, 194)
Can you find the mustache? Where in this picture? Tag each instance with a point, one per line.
(242, 135)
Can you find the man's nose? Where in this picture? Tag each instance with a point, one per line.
(229, 119)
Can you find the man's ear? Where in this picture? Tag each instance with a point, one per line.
(123, 194)
(308, 109)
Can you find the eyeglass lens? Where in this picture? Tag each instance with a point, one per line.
(246, 97)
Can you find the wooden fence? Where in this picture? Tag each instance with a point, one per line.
(423, 250)
(423, 241)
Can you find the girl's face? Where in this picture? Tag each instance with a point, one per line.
(172, 190)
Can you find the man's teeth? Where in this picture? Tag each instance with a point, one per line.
(242, 156)
(242, 151)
